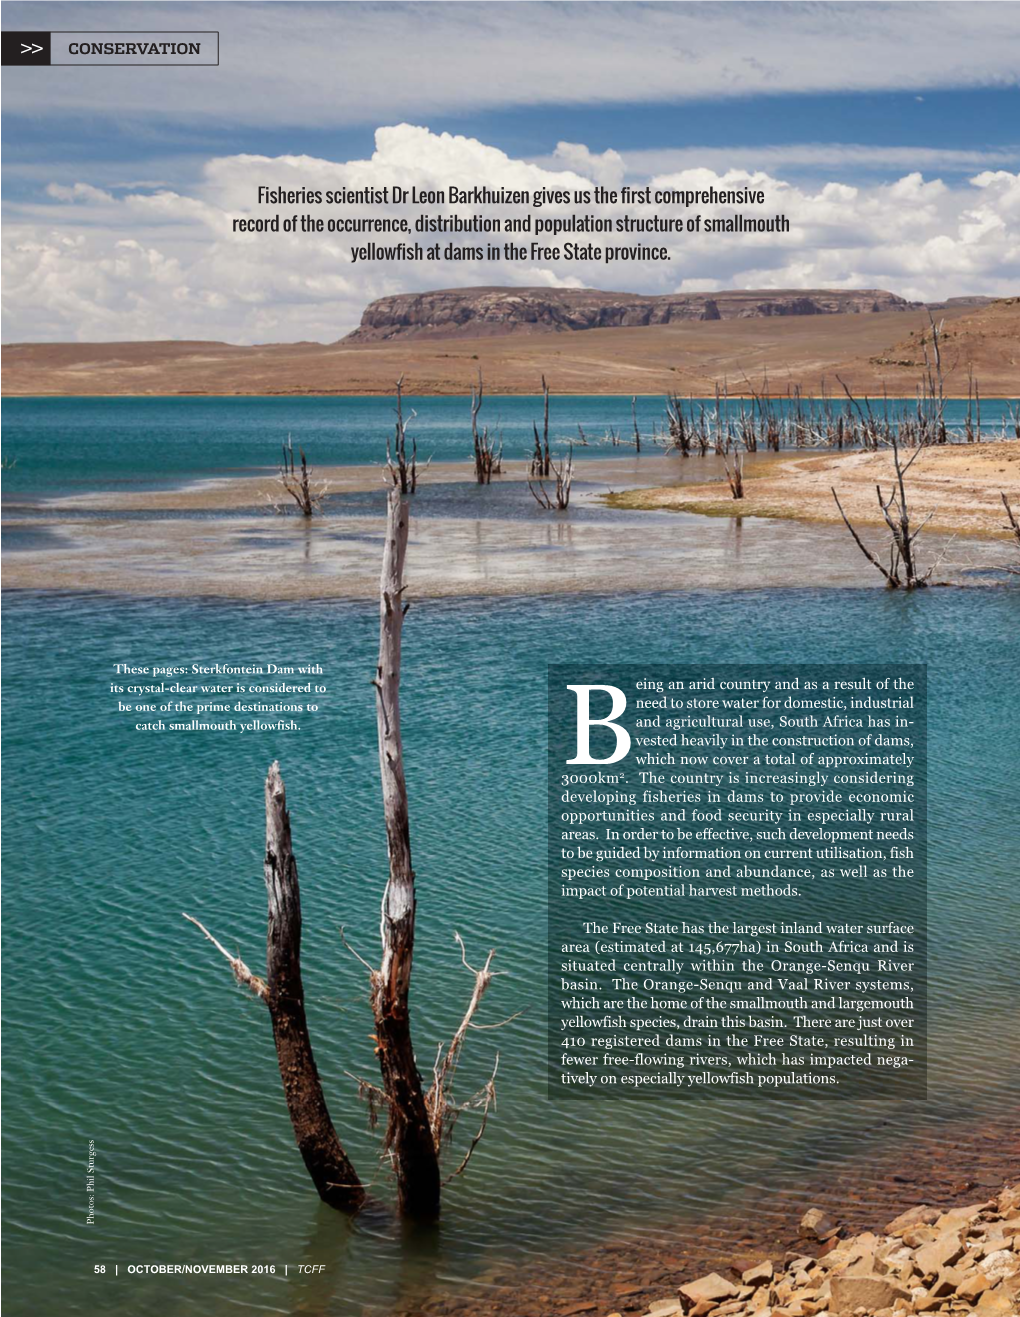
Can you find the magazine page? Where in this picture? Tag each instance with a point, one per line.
(511, 559)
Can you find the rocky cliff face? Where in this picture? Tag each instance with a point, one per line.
(487, 312)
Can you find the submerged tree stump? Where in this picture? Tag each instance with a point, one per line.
(327, 1163)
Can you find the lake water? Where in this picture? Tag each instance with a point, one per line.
(74, 445)
(124, 1027)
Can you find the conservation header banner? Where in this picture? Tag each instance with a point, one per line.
(153, 49)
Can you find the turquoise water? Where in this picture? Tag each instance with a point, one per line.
(123, 1025)
(75, 445)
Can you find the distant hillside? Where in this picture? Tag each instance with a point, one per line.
(985, 340)
(871, 352)
(488, 312)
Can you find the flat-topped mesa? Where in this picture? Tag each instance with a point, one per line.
(490, 312)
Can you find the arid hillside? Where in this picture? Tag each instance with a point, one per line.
(871, 351)
(985, 341)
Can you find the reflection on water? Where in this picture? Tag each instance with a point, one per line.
(466, 539)
(15, 538)
(125, 1029)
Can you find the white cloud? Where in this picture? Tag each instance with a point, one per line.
(88, 264)
(699, 286)
(607, 168)
(77, 192)
(330, 64)
(809, 156)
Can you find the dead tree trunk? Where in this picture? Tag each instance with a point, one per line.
(546, 458)
(328, 1165)
(402, 466)
(564, 474)
(298, 485)
(488, 459)
(735, 478)
(1014, 526)
(409, 1138)
(935, 383)
(541, 458)
(679, 434)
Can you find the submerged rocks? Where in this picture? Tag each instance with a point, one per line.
(814, 1224)
(964, 1262)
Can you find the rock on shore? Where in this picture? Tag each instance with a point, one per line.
(965, 1260)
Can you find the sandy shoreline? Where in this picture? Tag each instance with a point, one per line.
(959, 484)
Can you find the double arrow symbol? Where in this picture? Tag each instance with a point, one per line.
(30, 50)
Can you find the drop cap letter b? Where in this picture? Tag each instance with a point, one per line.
(585, 722)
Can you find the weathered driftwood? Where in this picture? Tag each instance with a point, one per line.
(409, 1138)
(328, 1164)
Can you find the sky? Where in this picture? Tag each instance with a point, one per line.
(888, 133)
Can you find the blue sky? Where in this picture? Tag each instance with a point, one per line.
(979, 120)
(967, 98)
(855, 95)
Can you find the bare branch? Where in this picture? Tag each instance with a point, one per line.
(443, 1111)
(488, 1096)
(298, 484)
(356, 956)
(242, 973)
(887, 573)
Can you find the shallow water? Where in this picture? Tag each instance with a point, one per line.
(454, 551)
(124, 1026)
